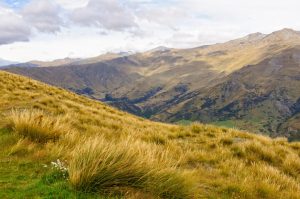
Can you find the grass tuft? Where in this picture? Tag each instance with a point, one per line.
(99, 166)
(36, 125)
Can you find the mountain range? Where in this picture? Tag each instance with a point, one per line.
(251, 83)
(57, 144)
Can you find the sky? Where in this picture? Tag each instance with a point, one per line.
(55, 29)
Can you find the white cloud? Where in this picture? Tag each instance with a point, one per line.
(72, 4)
(44, 15)
(171, 17)
(107, 14)
(77, 42)
(248, 16)
(105, 25)
(182, 40)
(12, 27)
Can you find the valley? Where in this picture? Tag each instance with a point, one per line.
(252, 81)
(149, 99)
(54, 142)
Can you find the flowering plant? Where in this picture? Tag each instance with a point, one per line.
(61, 168)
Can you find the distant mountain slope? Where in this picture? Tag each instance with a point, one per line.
(68, 61)
(264, 96)
(90, 79)
(167, 84)
(58, 62)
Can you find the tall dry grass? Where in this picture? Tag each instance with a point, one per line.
(36, 125)
(98, 165)
(228, 163)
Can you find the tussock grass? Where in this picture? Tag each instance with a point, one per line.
(36, 125)
(103, 166)
(157, 139)
(109, 151)
(22, 147)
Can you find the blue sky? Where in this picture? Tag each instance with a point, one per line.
(51, 29)
(15, 3)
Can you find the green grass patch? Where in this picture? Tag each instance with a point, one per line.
(184, 122)
(22, 178)
(226, 123)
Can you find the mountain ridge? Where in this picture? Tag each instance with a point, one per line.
(42, 126)
(157, 82)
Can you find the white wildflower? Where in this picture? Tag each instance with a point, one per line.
(60, 166)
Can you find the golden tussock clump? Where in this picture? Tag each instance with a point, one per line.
(98, 165)
(36, 125)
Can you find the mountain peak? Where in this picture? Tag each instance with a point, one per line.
(160, 49)
(251, 38)
(287, 31)
(284, 34)
(255, 36)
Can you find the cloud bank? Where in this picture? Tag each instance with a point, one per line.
(43, 15)
(12, 27)
(106, 14)
(132, 25)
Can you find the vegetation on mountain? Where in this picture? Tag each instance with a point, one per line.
(251, 82)
(262, 97)
(56, 143)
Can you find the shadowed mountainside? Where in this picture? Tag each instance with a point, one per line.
(218, 83)
(262, 97)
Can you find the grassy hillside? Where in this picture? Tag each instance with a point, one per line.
(207, 84)
(97, 151)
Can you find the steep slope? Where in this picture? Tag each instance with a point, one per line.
(132, 78)
(156, 84)
(91, 79)
(175, 73)
(197, 161)
(265, 96)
